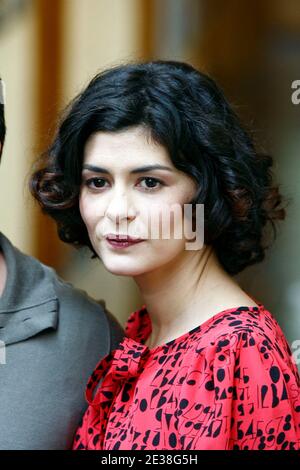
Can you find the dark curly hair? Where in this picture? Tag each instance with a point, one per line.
(187, 113)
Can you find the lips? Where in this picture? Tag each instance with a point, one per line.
(122, 241)
(122, 238)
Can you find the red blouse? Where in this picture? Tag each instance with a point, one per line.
(230, 383)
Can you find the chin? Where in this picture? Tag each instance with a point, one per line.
(120, 269)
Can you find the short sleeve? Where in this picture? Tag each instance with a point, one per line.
(256, 394)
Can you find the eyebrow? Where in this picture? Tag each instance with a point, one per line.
(142, 169)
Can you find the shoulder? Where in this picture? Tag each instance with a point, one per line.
(86, 309)
(255, 322)
(254, 377)
(245, 336)
(76, 307)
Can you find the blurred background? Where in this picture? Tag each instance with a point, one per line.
(50, 49)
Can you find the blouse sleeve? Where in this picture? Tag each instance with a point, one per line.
(256, 394)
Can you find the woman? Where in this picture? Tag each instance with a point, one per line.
(202, 365)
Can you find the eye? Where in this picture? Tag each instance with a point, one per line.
(95, 183)
(150, 183)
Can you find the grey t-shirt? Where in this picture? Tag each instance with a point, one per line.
(52, 337)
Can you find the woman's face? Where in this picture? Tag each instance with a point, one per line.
(129, 184)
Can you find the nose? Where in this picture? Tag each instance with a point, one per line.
(119, 209)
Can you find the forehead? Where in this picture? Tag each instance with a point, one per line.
(124, 148)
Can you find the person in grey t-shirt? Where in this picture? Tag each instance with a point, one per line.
(51, 338)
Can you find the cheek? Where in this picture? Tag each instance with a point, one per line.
(86, 211)
(82, 208)
(166, 221)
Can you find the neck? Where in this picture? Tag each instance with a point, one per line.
(3, 273)
(186, 292)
